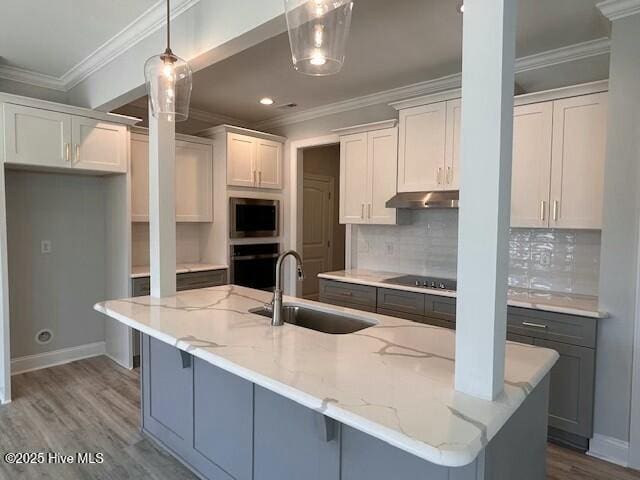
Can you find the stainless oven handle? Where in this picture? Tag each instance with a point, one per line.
(254, 257)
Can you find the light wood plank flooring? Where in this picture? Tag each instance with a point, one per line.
(93, 406)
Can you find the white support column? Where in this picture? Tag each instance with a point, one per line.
(162, 206)
(488, 52)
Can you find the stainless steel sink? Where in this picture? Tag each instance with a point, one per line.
(318, 320)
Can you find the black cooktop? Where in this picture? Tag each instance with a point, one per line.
(424, 282)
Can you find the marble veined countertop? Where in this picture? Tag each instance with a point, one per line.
(573, 304)
(141, 271)
(394, 380)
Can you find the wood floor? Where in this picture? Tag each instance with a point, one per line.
(93, 406)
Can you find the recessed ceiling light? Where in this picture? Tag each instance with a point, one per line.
(461, 7)
(266, 101)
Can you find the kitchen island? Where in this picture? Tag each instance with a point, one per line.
(233, 397)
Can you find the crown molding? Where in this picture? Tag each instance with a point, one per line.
(215, 119)
(146, 24)
(441, 85)
(570, 53)
(617, 9)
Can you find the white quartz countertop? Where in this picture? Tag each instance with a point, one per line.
(394, 380)
(573, 304)
(141, 271)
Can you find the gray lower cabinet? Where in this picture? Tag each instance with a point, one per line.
(361, 297)
(573, 337)
(141, 286)
(293, 442)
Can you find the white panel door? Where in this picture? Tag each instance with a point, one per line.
(269, 163)
(139, 178)
(241, 160)
(36, 137)
(452, 148)
(531, 167)
(382, 152)
(354, 185)
(579, 150)
(421, 153)
(194, 182)
(99, 146)
(317, 231)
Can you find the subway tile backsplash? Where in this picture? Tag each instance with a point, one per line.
(542, 259)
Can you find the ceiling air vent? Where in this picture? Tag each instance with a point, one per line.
(287, 106)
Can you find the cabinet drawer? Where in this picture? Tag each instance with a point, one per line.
(514, 337)
(558, 327)
(401, 301)
(340, 303)
(360, 295)
(140, 287)
(443, 308)
(193, 280)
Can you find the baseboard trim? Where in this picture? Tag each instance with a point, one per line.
(30, 363)
(609, 449)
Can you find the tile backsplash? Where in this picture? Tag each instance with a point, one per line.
(542, 259)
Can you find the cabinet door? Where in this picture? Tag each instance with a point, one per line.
(167, 382)
(579, 149)
(36, 137)
(421, 150)
(139, 178)
(452, 149)
(382, 152)
(269, 163)
(194, 182)
(223, 422)
(293, 442)
(241, 160)
(571, 388)
(531, 165)
(99, 146)
(354, 186)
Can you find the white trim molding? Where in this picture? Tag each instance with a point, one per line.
(617, 9)
(366, 127)
(30, 363)
(442, 85)
(609, 449)
(146, 24)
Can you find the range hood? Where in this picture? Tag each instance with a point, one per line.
(420, 200)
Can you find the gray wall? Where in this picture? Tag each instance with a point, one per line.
(55, 290)
(619, 235)
(24, 89)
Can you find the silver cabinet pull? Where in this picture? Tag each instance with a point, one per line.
(534, 325)
(253, 177)
(449, 175)
(67, 152)
(556, 205)
(259, 177)
(543, 210)
(362, 212)
(439, 175)
(369, 211)
(77, 153)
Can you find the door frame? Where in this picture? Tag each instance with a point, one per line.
(634, 424)
(294, 197)
(332, 191)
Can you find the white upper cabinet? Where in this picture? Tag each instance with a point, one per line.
(368, 174)
(253, 162)
(531, 167)
(98, 145)
(194, 180)
(452, 149)
(353, 178)
(269, 163)
(51, 139)
(579, 151)
(36, 137)
(421, 154)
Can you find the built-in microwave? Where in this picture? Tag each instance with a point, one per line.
(253, 217)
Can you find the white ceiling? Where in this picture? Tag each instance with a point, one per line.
(392, 44)
(52, 36)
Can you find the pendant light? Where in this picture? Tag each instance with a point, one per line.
(168, 79)
(318, 33)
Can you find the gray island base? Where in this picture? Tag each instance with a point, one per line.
(234, 398)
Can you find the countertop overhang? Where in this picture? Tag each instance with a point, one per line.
(571, 304)
(393, 381)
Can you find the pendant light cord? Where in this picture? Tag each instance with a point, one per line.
(168, 27)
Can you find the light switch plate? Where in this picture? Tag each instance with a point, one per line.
(45, 246)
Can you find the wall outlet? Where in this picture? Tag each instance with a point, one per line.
(388, 248)
(545, 259)
(45, 246)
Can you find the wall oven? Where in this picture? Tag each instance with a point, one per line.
(253, 217)
(254, 265)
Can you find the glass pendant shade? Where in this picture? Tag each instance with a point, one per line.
(318, 33)
(168, 79)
